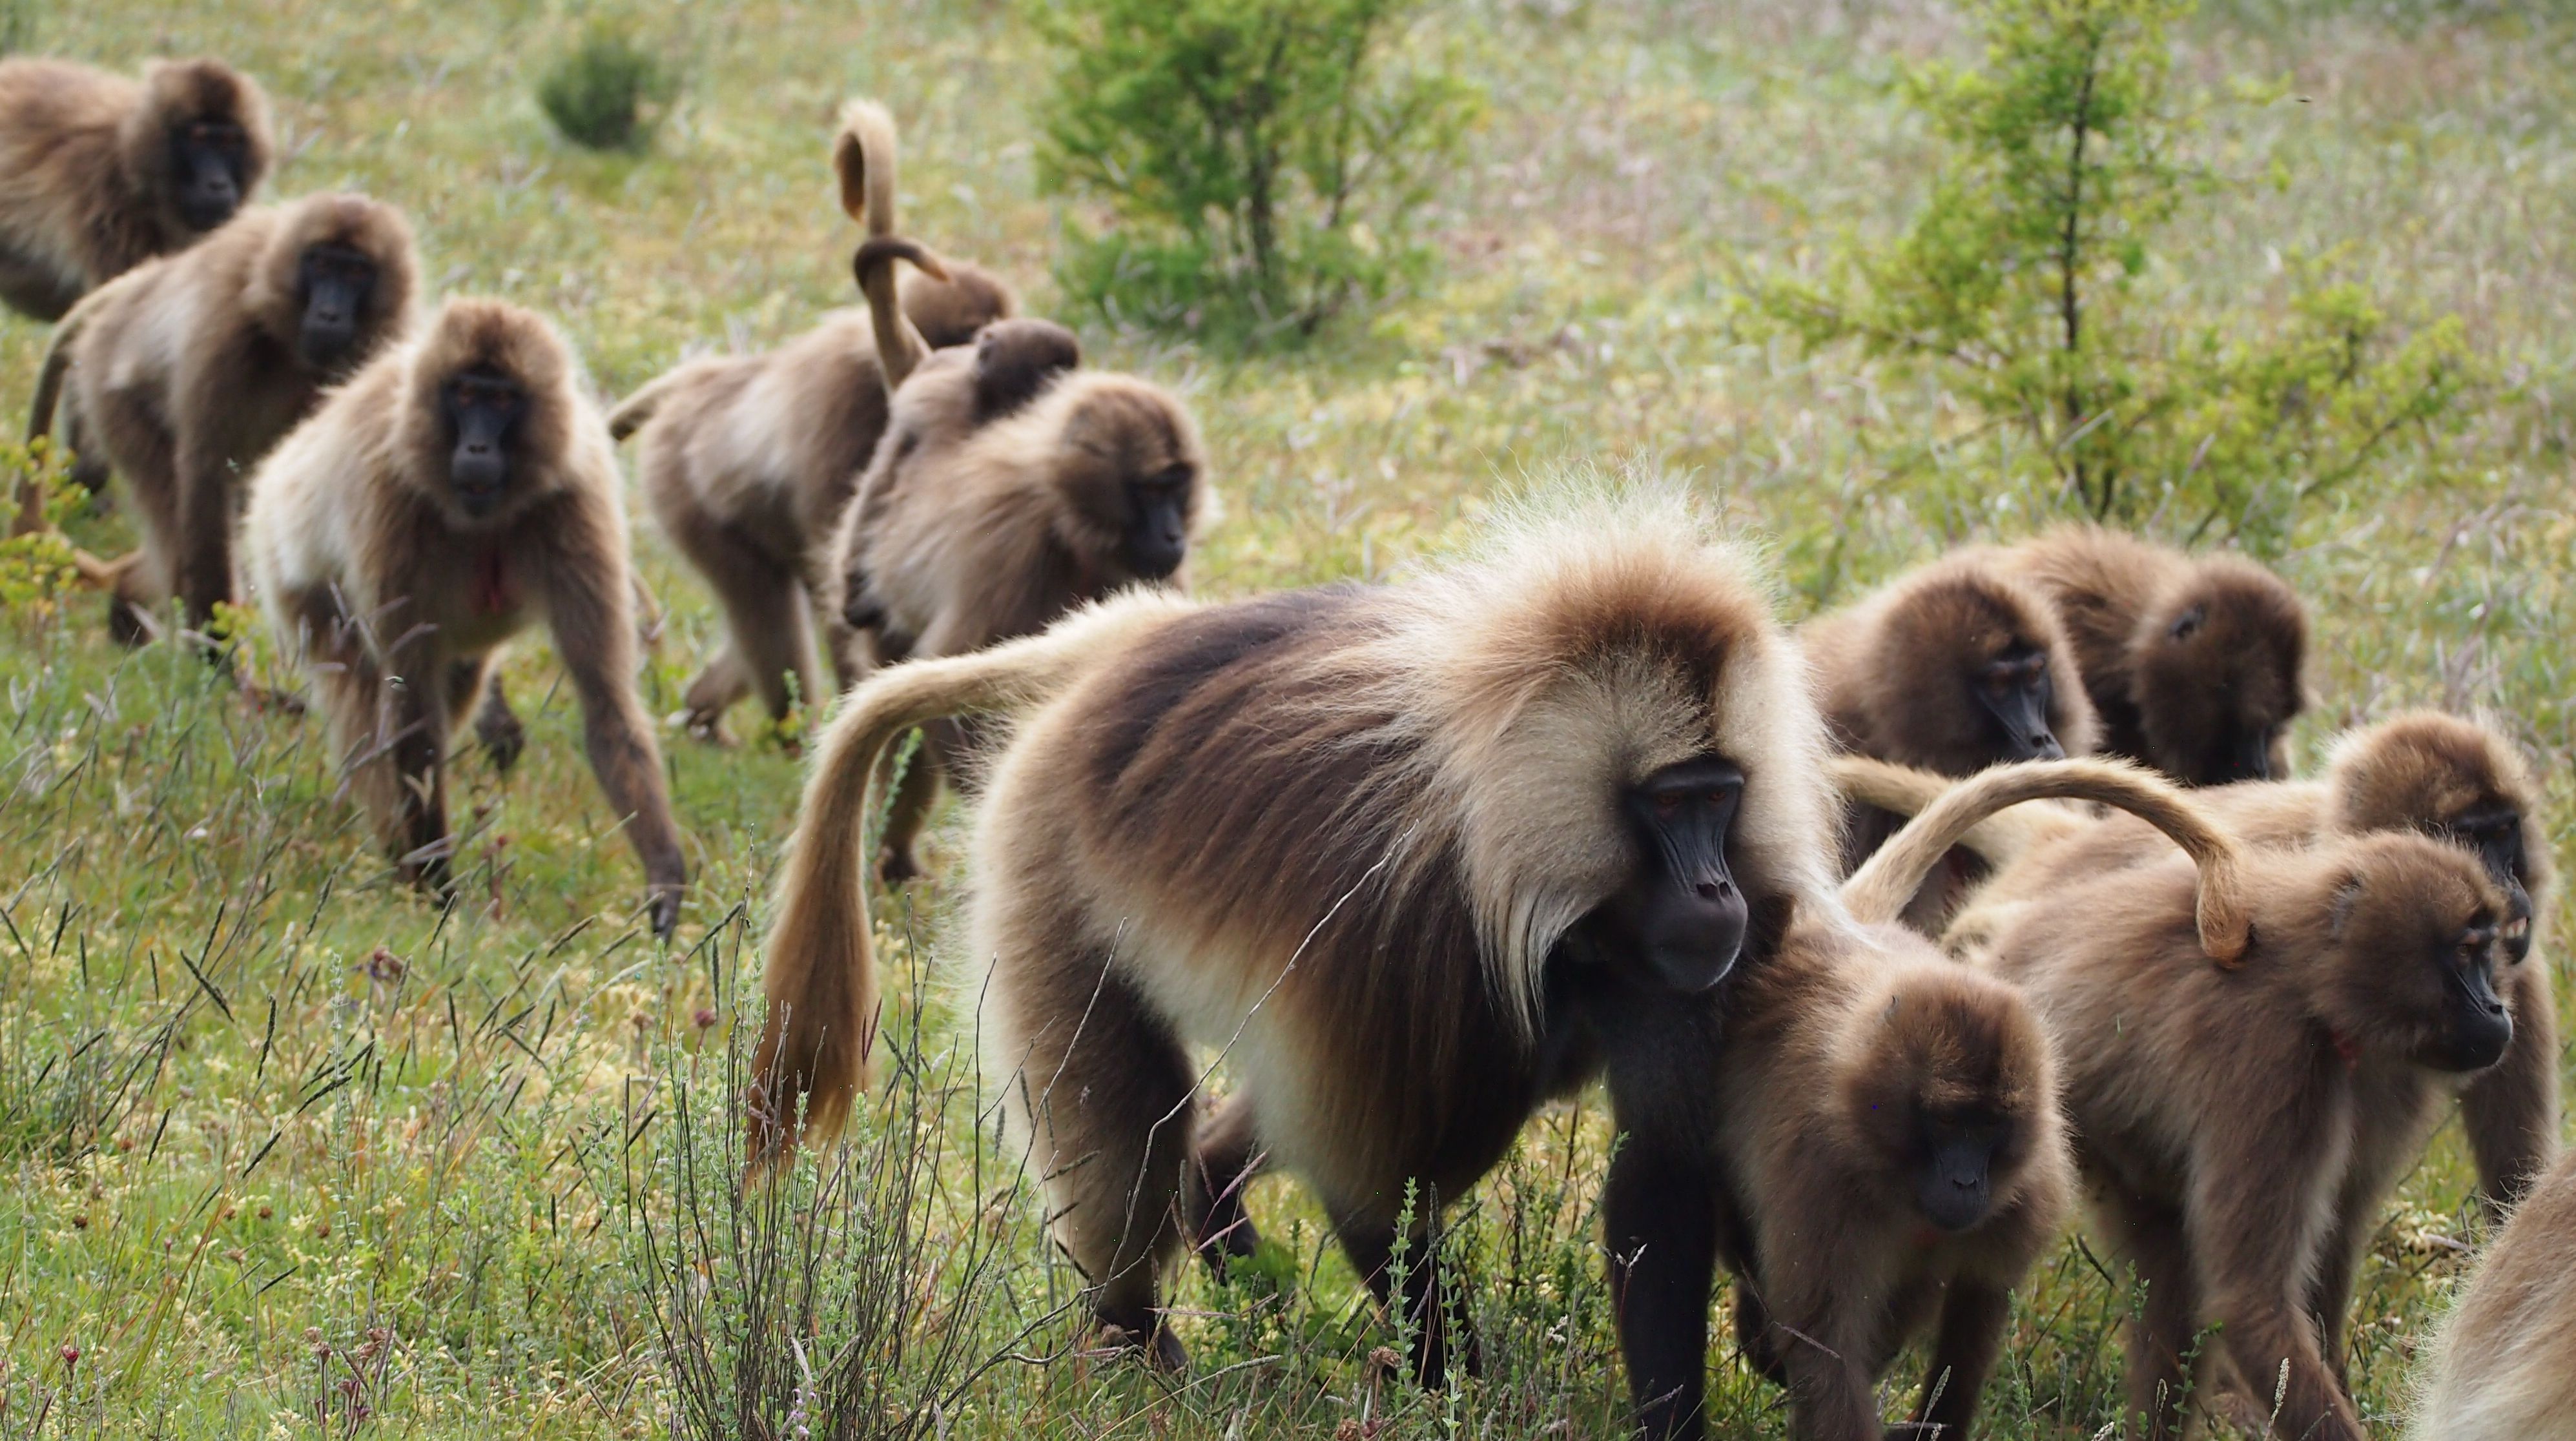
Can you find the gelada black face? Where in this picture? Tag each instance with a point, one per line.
(482, 406)
(2475, 1026)
(2495, 833)
(2013, 689)
(1955, 1183)
(1687, 913)
(333, 282)
(2244, 754)
(207, 158)
(1158, 523)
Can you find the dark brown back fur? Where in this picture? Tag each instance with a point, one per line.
(2185, 659)
(1895, 668)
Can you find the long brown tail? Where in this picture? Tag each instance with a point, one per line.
(49, 394)
(863, 155)
(1906, 791)
(821, 976)
(899, 344)
(1877, 892)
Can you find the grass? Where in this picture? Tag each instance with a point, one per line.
(290, 1153)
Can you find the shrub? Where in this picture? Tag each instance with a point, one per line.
(37, 572)
(1266, 162)
(605, 95)
(2029, 285)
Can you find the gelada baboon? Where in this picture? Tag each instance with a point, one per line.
(2240, 1126)
(1879, 1136)
(99, 174)
(1954, 667)
(2193, 663)
(459, 489)
(747, 461)
(2503, 1367)
(971, 527)
(187, 369)
(1411, 858)
(1888, 1153)
(2461, 781)
(2443, 776)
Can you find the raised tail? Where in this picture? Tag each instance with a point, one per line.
(1906, 791)
(821, 975)
(863, 156)
(863, 159)
(899, 344)
(1877, 892)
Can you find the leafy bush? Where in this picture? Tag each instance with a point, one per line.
(37, 572)
(1267, 162)
(2030, 285)
(606, 94)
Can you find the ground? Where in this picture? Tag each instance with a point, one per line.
(290, 1152)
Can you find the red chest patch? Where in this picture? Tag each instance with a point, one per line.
(492, 583)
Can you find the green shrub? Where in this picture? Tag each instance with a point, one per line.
(1266, 162)
(2030, 286)
(605, 95)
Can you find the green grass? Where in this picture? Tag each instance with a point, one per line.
(281, 1143)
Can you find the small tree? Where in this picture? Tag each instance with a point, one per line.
(1266, 163)
(2027, 283)
(605, 94)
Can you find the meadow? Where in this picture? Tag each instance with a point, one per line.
(286, 1150)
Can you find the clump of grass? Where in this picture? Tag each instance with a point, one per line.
(836, 1298)
(607, 93)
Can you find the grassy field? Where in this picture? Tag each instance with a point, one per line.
(288, 1152)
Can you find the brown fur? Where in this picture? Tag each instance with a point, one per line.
(1831, 1050)
(1892, 668)
(748, 461)
(2238, 1129)
(85, 183)
(1899, 672)
(1839, 1055)
(1955, 814)
(2503, 1367)
(2418, 772)
(187, 369)
(2192, 663)
(1336, 834)
(968, 529)
(401, 599)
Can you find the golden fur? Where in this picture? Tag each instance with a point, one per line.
(1336, 833)
(2503, 1367)
(85, 157)
(366, 561)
